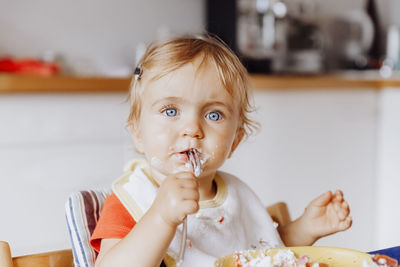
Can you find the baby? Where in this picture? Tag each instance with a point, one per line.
(190, 95)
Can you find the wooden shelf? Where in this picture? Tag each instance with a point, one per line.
(279, 82)
(61, 84)
(10, 83)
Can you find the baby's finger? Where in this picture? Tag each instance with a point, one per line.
(342, 214)
(345, 206)
(338, 196)
(190, 194)
(322, 200)
(337, 207)
(190, 183)
(190, 206)
(185, 175)
(345, 224)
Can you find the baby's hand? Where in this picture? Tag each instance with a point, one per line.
(327, 214)
(177, 197)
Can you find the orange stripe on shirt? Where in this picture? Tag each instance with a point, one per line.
(115, 222)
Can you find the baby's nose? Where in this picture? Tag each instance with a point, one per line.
(193, 129)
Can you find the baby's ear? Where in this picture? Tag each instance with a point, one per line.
(137, 140)
(238, 138)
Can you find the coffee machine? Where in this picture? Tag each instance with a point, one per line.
(261, 33)
(240, 23)
(284, 36)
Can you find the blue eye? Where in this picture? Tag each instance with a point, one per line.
(214, 116)
(171, 112)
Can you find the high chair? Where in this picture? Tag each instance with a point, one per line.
(59, 258)
(279, 213)
(83, 211)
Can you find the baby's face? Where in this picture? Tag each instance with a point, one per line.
(184, 110)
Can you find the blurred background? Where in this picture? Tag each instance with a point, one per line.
(327, 89)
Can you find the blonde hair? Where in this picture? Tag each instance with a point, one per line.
(172, 54)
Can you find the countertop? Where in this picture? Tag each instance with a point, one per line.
(11, 83)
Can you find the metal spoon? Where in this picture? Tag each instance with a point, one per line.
(194, 160)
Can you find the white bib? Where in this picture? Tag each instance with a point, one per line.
(234, 220)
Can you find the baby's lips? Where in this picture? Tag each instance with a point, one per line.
(182, 156)
(186, 152)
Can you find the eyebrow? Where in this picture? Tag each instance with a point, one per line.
(219, 103)
(168, 99)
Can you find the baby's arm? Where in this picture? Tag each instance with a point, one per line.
(327, 214)
(149, 240)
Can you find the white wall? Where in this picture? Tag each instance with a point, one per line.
(388, 169)
(50, 146)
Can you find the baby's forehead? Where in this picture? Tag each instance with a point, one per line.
(190, 79)
(162, 68)
(199, 67)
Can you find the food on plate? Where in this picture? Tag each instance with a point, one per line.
(311, 256)
(381, 261)
(283, 258)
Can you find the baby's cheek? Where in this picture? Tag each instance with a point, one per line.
(221, 150)
(157, 143)
(159, 136)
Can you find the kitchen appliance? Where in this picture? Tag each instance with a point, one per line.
(283, 36)
(347, 40)
(265, 36)
(249, 27)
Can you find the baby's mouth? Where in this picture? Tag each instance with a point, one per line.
(194, 161)
(186, 153)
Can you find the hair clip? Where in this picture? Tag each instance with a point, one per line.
(138, 73)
